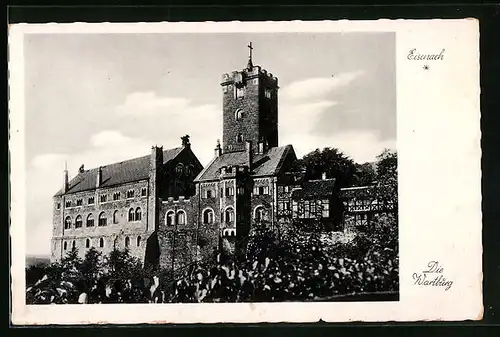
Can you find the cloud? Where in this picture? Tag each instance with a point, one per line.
(45, 177)
(312, 88)
(141, 103)
(166, 119)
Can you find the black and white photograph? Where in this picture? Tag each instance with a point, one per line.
(225, 167)
(211, 168)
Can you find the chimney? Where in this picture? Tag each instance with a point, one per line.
(81, 169)
(248, 150)
(218, 149)
(66, 180)
(261, 147)
(185, 141)
(99, 177)
(156, 156)
(323, 176)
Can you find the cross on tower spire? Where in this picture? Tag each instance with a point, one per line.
(250, 48)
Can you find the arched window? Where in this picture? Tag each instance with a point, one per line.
(87, 243)
(101, 242)
(179, 169)
(115, 217)
(131, 215)
(181, 217)
(208, 216)
(169, 218)
(239, 138)
(127, 241)
(78, 221)
(90, 220)
(229, 214)
(238, 114)
(139, 241)
(67, 223)
(65, 245)
(103, 221)
(73, 245)
(138, 214)
(259, 213)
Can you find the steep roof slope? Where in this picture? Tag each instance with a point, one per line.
(117, 173)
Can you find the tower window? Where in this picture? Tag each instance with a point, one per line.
(229, 215)
(139, 241)
(87, 243)
(267, 93)
(101, 242)
(58, 205)
(239, 92)
(127, 241)
(65, 245)
(238, 114)
(224, 88)
(144, 191)
(181, 217)
(239, 138)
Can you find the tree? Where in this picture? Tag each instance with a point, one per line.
(330, 161)
(365, 174)
(387, 178)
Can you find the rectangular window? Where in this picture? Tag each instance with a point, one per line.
(325, 213)
(68, 203)
(265, 190)
(79, 202)
(221, 192)
(58, 205)
(116, 196)
(256, 191)
(224, 88)
(144, 191)
(239, 92)
(229, 191)
(208, 194)
(130, 193)
(91, 200)
(287, 189)
(103, 198)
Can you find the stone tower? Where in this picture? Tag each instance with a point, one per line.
(250, 109)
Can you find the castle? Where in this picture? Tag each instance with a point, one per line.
(169, 210)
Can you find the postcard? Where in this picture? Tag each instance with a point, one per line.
(245, 172)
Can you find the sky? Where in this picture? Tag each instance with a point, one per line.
(95, 99)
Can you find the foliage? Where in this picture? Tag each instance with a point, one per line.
(330, 161)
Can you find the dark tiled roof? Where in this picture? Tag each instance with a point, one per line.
(315, 188)
(357, 192)
(265, 164)
(117, 173)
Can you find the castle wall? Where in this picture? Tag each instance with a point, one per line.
(116, 229)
